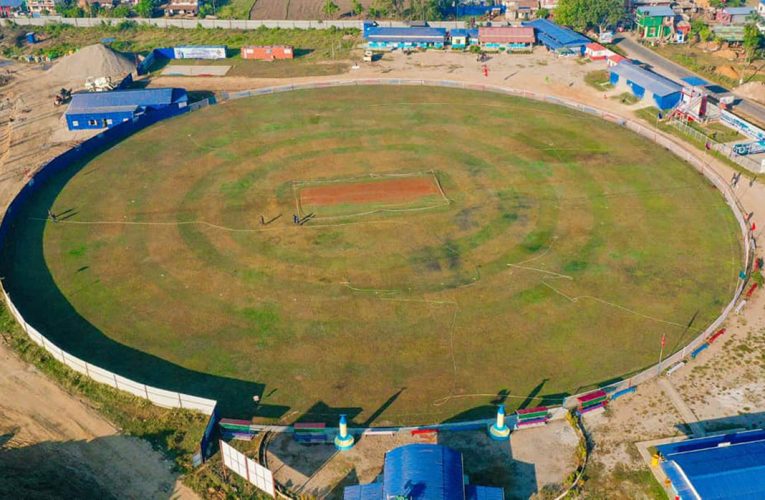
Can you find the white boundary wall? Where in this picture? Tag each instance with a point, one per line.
(159, 397)
(169, 399)
(247, 468)
(233, 24)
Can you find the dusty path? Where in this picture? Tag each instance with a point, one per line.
(51, 442)
(685, 412)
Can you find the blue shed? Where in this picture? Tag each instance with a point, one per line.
(558, 39)
(98, 110)
(423, 472)
(727, 466)
(665, 93)
(462, 38)
(392, 38)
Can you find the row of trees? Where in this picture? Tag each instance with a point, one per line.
(144, 8)
(401, 9)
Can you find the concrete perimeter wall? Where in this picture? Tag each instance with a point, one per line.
(170, 22)
(171, 399)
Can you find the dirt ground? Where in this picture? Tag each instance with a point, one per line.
(299, 9)
(723, 387)
(533, 459)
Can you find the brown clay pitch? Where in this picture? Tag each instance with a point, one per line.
(398, 190)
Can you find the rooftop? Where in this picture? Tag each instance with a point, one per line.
(124, 100)
(738, 11)
(556, 36)
(14, 4)
(656, 11)
(650, 81)
(507, 34)
(399, 34)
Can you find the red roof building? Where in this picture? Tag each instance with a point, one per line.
(507, 37)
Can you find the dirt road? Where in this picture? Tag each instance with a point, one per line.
(51, 443)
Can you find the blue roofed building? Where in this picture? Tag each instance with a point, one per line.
(97, 110)
(423, 472)
(10, 7)
(462, 38)
(641, 82)
(403, 38)
(727, 466)
(562, 41)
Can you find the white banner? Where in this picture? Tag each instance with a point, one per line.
(247, 468)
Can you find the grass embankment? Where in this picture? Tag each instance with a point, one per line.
(319, 52)
(649, 115)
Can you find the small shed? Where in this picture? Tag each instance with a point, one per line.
(463, 38)
(665, 93)
(510, 38)
(558, 39)
(596, 52)
(267, 52)
(401, 38)
(97, 110)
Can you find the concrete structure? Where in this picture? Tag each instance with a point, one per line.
(181, 7)
(42, 7)
(510, 38)
(596, 51)
(267, 52)
(10, 7)
(734, 15)
(499, 431)
(727, 466)
(344, 440)
(98, 110)
(558, 39)
(655, 23)
(520, 10)
(403, 38)
(462, 38)
(422, 472)
(641, 82)
(615, 59)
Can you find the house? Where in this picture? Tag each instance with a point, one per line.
(727, 466)
(267, 52)
(42, 7)
(558, 39)
(462, 38)
(596, 52)
(548, 4)
(520, 10)
(9, 8)
(655, 23)
(181, 8)
(403, 38)
(682, 31)
(664, 92)
(734, 15)
(615, 59)
(510, 38)
(761, 8)
(97, 110)
(422, 471)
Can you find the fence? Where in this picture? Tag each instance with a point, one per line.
(247, 468)
(651, 134)
(231, 24)
(174, 399)
(726, 149)
(160, 397)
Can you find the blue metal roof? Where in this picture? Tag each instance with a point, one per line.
(695, 81)
(656, 11)
(382, 34)
(729, 466)
(738, 11)
(121, 100)
(555, 36)
(373, 491)
(473, 492)
(14, 4)
(656, 84)
(454, 32)
(424, 471)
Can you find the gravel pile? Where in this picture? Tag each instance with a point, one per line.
(92, 61)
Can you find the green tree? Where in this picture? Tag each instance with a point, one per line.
(356, 8)
(543, 13)
(329, 8)
(145, 8)
(122, 10)
(584, 14)
(752, 41)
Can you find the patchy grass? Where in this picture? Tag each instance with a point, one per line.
(199, 296)
(627, 98)
(621, 482)
(598, 79)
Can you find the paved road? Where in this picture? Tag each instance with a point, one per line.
(675, 71)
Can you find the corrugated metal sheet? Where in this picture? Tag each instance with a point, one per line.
(381, 34)
(506, 34)
(13, 4)
(121, 98)
(557, 37)
(473, 492)
(656, 84)
(424, 471)
(656, 11)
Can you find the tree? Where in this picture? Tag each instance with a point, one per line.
(584, 14)
(329, 8)
(543, 13)
(122, 10)
(752, 41)
(145, 8)
(356, 8)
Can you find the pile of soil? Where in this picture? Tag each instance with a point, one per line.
(753, 90)
(92, 61)
(728, 72)
(729, 54)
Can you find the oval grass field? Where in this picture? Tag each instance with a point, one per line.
(452, 245)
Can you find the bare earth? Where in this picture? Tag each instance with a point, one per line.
(723, 388)
(299, 9)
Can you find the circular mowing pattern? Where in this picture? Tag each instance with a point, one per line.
(344, 250)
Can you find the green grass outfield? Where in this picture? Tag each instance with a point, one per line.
(568, 248)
